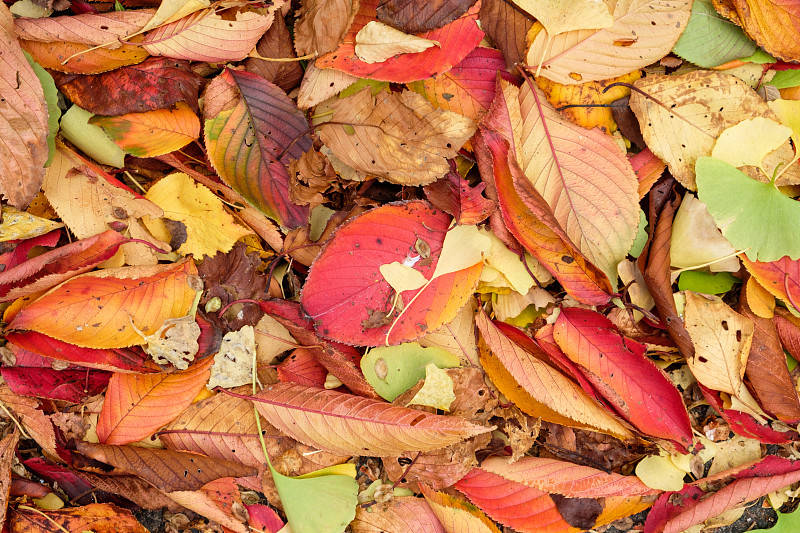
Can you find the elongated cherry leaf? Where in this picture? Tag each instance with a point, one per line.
(638, 389)
(539, 389)
(351, 301)
(538, 232)
(347, 424)
(103, 309)
(250, 122)
(166, 469)
(138, 404)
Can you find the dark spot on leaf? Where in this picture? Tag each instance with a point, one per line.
(567, 259)
(725, 325)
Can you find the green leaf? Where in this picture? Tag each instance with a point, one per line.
(785, 79)
(706, 283)
(641, 236)
(710, 40)
(752, 215)
(323, 501)
(787, 523)
(51, 97)
(91, 139)
(392, 370)
(760, 57)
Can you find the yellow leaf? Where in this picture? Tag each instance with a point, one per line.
(789, 113)
(437, 391)
(172, 10)
(722, 339)
(20, 225)
(558, 16)
(377, 42)
(209, 229)
(402, 277)
(660, 472)
(463, 247)
(736, 145)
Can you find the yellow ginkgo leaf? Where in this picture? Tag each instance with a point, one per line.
(788, 112)
(402, 277)
(558, 16)
(437, 391)
(377, 42)
(209, 229)
(748, 142)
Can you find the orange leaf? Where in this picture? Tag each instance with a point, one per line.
(539, 389)
(54, 55)
(95, 517)
(152, 133)
(773, 24)
(138, 404)
(99, 309)
(347, 424)
(538, 231)
(781, 278)
(457, 516)
(166, 469)
(648, 168)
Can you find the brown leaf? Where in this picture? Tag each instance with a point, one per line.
(418, 16)
(92, 29)
(167, 469)
(35, 423)
(8, 447)
(134, 489)
(23, 121)
(507, 27)
(398, 515)
(276, 44)
(654, 263)
(766, 368)
(399, 137)
(155, 83)
(454, 195)
(322, 24)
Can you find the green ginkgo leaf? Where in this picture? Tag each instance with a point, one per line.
(710, 39)
(392, 370)
(752, 215)
(323, 501)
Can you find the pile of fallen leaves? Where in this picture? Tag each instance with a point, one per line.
(398, 265)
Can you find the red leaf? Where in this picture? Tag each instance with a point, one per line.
(155, 83)
(119, 359)
(456, 40)
(637, 388)
(55, 266)
(349, 299)
(648, 168)
(302, 367)
(249, 123)
(538, 232)
(68, 385)
(19, 254)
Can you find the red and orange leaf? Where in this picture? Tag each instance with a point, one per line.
(137, 405)
(208, 36)
(213, 504)
(152, 133)
(57, 265)
(100, 309)
(648, 168)
(352, 425)
(400, 515)
(456, 40)
(567, 479)
(303, 368)
(637, 388)
(539, 389)
(457, 516)
(522, 508)
(155, 83)
(118, 360)
(250, 122)
(538, 232)
(781, 278)
(166, 469)
(467, 88)
(95, 517)
(58, 56)
(349, 299)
